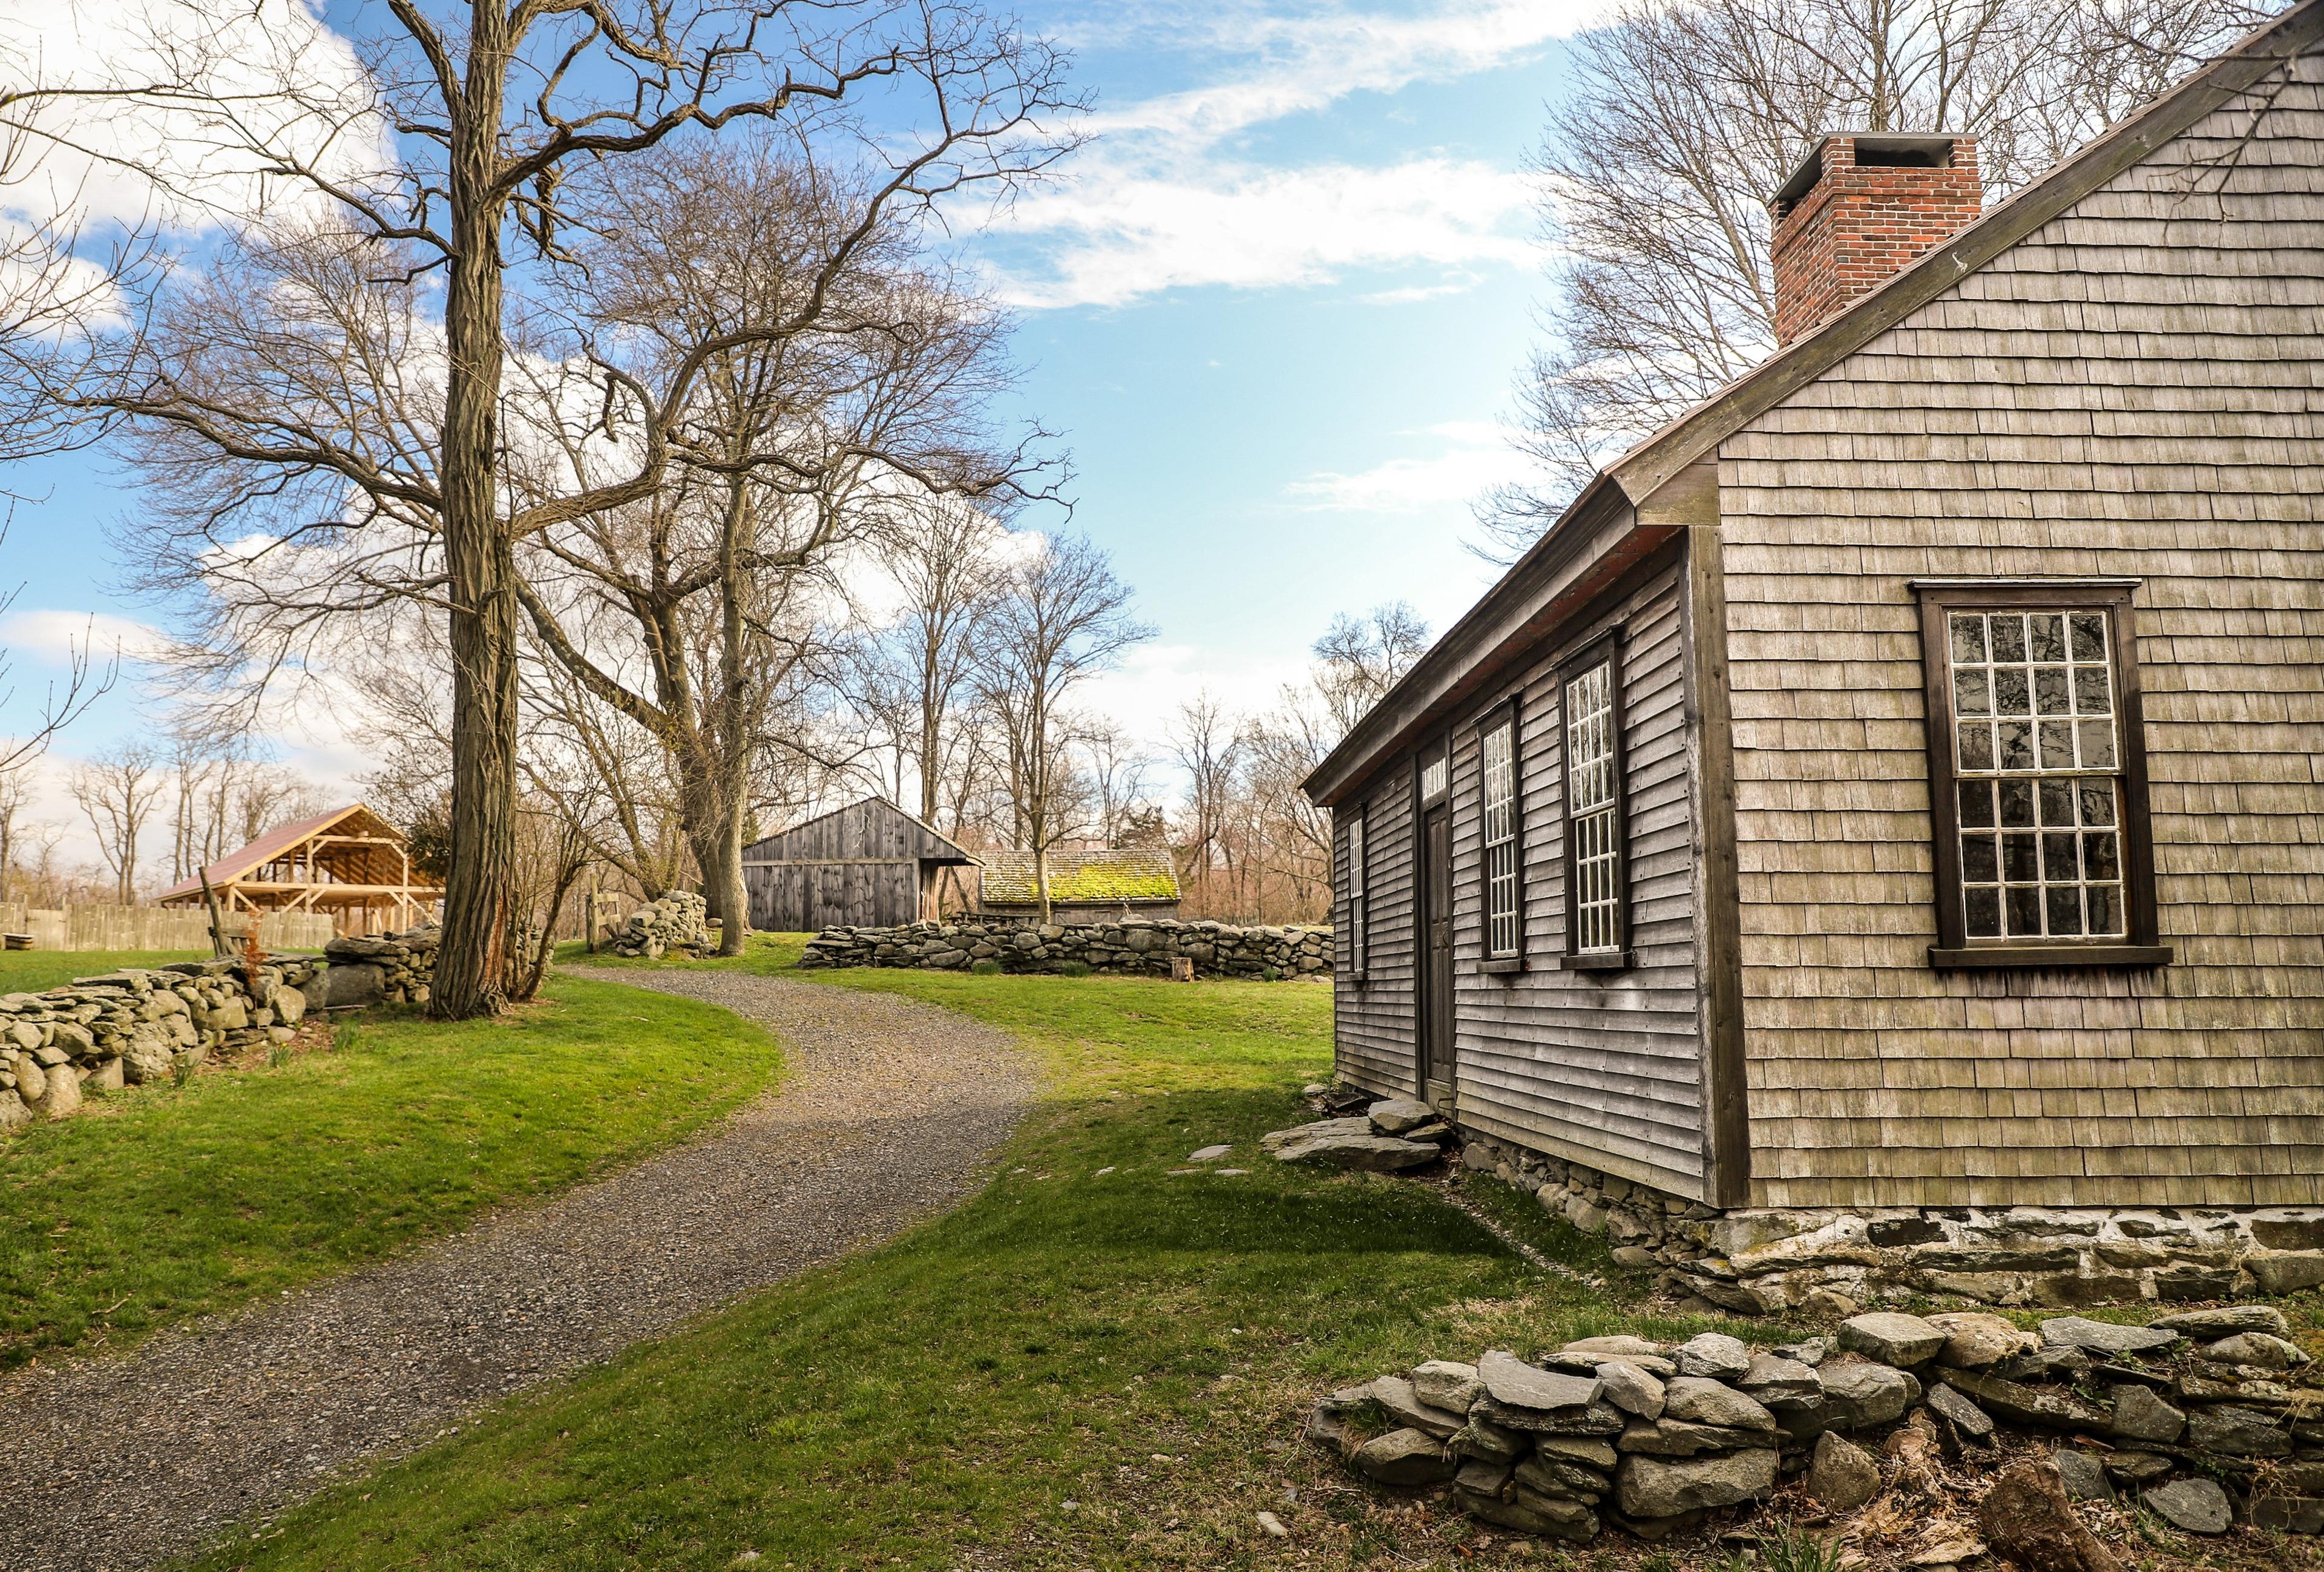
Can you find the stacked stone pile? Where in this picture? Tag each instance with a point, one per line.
(1390, 1136)
(2207, 1418)
(123, 1028)
(394, 968)
(1137, 947)
(1833, 1263)
(677, 922)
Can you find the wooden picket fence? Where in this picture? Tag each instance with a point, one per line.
(131, 928)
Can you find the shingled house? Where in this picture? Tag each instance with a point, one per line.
(1899, 781)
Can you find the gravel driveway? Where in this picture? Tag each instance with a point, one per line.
(888, 1109)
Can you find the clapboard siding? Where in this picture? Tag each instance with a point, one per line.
(1605, 1069)
(2130, 390)
(1373, 1020)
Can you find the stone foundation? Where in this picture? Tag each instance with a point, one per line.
(1131, 948)
(1832, 1262)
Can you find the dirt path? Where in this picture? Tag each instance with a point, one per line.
(888, 1109)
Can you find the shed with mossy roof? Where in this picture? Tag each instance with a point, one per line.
(1084, 886)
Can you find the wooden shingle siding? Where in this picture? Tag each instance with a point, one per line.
(2132, 390)
(1601, 1067)
(1373, 1021)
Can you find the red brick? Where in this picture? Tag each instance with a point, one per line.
(1858, 224)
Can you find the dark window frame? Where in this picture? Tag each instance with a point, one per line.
(1607, 648)
(1359, 893)
(2140, 946)
(1503, 712)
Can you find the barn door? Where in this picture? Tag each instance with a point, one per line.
(1437, 1062)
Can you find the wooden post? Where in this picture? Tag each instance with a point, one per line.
(218, 947)
(1182, 970)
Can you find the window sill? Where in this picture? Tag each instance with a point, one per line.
(2027, 956)
(1506, 966)
(1612, 960)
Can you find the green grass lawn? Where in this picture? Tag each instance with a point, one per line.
(161, 1202)
(1096, 1362)
(29, 971)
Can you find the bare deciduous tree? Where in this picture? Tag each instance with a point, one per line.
(493, 113)
(1359, 658)
(116, 793)
(1062, 618)
(1685, 116)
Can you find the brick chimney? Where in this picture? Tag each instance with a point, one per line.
(1857, 209)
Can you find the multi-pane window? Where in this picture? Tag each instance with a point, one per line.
(2037, 774)
(2038, 766)
(1435, 774)
(1503, 923)
(1358, 897)
(1593, 826)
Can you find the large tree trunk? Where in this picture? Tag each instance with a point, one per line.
(473, 968)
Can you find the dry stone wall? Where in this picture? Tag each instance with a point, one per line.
(1133, 948)
(2207, 1418)
(100, 1033)
(677, 922)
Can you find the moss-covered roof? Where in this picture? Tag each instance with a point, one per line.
(1081, 878)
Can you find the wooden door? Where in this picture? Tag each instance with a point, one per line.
(1436, 1057)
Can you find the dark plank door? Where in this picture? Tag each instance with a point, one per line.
(1436, 943)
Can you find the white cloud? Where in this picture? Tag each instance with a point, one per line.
(1473, 457)
(1252, 228)
(1170, 197)
(52, 636)
(1144, 693)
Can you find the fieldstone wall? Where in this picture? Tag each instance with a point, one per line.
(1833, 1263)
(124, 1028)
(2208, 1418)
(1132, 948)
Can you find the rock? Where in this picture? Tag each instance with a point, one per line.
(13, 1114)
(1394, 1115)
(1635, 1255)
(290, 1005)
(2027, 1518)
(1669, 1438)
(1272, 1526)
(2083, 1475)
(2285, 1272)
(350, 984)
(1773, 1380)
(2104, 1337)
(1366, 1153)
(2263, 1350)
(1827, 1304)
(1482, 1478)
(1562, 1481)
(1583, 1449)
(1584, 1216)
(2139, 1415)
(1444, 1383)
(1862, 1397)
(1843, 1475)
(1971, 1426)
(146, 1056)
(2288, 1514)
(1631, 1389)
(2236, 1432)
(1715, 1357)
(2025, 1405)
(2225, 1321)
(31, 1080)
(1326, 1429)
(107, 1077)
(1696, 1400)
(1893, 1337)
(1488, 1442)
(1513, 1383)
(1406, 1456)
(1536, 1514)
(1656, 1487)
(1209, 1154)
(1395, 1395)
(62, 1100)
(2198, 1506)
(1277, 1140)
(1978, 1340)
(1620, 1347)
(1809, 1351)
(2138, 1467)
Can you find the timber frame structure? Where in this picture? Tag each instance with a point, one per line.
(349, 863)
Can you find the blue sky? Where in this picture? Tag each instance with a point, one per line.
(1275, 308)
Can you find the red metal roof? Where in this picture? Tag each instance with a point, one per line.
(274, 844)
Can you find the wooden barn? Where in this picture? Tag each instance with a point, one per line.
(867, 864)
(1897, 781)
(1085, 886)
(349, 864)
